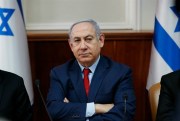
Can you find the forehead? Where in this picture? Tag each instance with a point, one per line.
(84, 28)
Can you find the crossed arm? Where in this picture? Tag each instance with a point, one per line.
(109, 105)
(99, 108)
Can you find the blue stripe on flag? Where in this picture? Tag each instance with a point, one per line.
(177, 29)
(166, 47)
(20, 8)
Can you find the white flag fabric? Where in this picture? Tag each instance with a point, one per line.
(14, 54)
(165, 54)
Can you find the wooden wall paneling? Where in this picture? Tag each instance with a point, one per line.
(135, 52)
(46, 56)
(132, 48)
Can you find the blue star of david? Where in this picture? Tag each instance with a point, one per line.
(5, 15)
(177, 29)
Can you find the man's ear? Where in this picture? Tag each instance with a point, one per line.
(101, 39)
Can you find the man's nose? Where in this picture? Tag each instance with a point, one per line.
(83, 44)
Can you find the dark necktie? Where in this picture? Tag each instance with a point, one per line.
(86, 80)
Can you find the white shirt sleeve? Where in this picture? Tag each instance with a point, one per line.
(90, 110)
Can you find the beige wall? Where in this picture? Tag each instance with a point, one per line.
(111, 14)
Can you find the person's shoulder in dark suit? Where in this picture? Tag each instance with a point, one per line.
(174, 76)
(169, 96)
(14, 100)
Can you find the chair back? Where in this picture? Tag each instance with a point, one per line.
(154, 92)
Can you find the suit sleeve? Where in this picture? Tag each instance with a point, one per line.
(124, 101)
(23, 107)
(166, 104)
(55, 102)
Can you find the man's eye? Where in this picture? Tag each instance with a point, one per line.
(88, 39)
(76, 40)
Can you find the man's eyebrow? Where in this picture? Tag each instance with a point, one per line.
(75, 37)
(89, 36)
(83, 37)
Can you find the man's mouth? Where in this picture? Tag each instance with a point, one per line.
(84, 54)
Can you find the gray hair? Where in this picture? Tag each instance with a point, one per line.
(94, 23)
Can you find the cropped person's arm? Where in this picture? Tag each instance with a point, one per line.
(23, 106)
(166, 106)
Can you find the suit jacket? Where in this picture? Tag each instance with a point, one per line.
(111, 83)
(14, 100)
(169, 99)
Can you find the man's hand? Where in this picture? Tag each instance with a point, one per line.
(103, 108)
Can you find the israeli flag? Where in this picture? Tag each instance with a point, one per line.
(14, 54)
(165, 54)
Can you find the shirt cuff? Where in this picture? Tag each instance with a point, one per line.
(90, 110)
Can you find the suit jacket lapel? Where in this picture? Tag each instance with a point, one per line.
(77, 81)
(99, 75)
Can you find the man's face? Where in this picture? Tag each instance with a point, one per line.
(85, 44)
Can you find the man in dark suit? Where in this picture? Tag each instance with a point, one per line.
(14, 100)
(106, 94)
(169, 99)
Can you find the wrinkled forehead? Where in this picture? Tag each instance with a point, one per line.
(83, 29)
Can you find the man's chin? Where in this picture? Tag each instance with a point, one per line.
(85, 60)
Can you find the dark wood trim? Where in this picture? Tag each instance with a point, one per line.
(63, 36)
